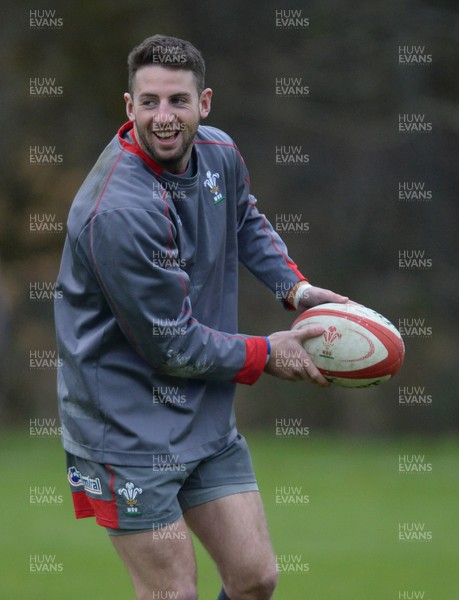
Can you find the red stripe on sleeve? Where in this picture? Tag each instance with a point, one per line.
(295, 269)
(256, 352)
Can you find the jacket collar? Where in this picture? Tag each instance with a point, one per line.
(135, 147)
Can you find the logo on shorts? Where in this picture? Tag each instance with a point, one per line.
(130, 492)
(90, 484)
(211, 183)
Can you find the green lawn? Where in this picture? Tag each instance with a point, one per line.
(336, 534)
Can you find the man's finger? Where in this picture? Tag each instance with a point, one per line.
(339, 298)
(306, 333)
(314, 295)
(312, 372)
(316, 377)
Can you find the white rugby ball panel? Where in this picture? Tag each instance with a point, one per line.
(342, 346)
(358, 348)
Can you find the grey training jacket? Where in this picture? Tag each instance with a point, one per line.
(146, 317)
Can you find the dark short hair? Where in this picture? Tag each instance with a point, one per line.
(169, 52)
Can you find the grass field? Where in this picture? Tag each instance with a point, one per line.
(337, 509)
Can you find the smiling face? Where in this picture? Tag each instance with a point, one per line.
(166, 110)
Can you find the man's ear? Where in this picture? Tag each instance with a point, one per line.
(205, 101)
(129, 106)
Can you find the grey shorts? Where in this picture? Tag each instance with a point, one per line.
(134, 499)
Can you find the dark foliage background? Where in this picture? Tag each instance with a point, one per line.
(348, 192)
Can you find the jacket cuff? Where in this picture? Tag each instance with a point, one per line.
(256, 352)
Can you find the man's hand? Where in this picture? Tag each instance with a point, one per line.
(312, 295)
(289, 360)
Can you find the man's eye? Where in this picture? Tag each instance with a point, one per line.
(178, 100)
(148, 103)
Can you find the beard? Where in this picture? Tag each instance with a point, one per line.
(176, 161)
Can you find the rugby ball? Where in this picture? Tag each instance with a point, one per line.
(358, 348)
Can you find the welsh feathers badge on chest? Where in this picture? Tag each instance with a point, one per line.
(211, 184)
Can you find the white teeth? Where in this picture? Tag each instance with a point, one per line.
(165, 134)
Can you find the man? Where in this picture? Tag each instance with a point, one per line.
(147, 336)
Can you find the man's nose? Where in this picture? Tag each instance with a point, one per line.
(164, 114)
